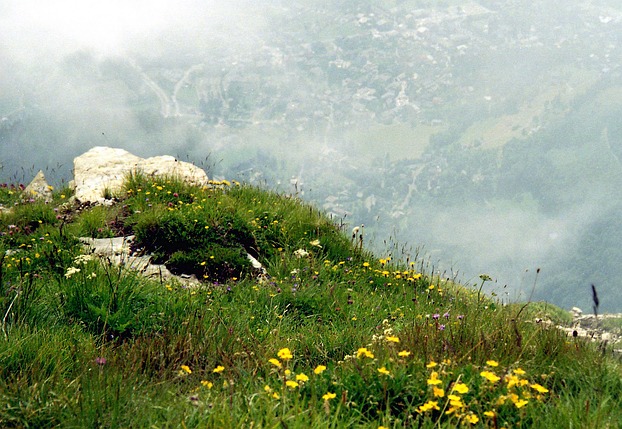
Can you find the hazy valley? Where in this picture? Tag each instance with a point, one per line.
(485, 134)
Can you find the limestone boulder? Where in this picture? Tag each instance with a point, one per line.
(167, 165)
(118, 251)
(100, 172)
(38, 188)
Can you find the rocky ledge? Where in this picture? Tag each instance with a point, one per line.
(100, 172)
(605, 329)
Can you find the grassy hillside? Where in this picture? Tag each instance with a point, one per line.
(332, 336)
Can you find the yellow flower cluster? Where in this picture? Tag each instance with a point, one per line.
(363, 352)
(289, 379)
(515, 390)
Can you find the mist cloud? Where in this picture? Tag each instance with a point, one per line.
(31, 28)
(280, 90)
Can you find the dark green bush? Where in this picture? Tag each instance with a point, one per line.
(210, 245)
(212, 263)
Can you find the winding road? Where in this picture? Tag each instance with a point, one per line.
(165, 102)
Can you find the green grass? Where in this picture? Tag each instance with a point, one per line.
(331, 337)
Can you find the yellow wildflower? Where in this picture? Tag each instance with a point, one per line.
(492, 363)
(392, 339)
(490, 376)
(185, 369)
(302, 377)
(327, 396)
(454, 397)
(430, 405)
(207, 384)
(218, 369)
(432, 364)
(404, 353)
(455, 402)
(433, 380)
(471, 418)
(285, 354)
(384, 371)
(275, 362)
(292, 384)
(539, 388)
(319, 369)
(439, 393)
(511, 380)
(460, 388)
(364, 352)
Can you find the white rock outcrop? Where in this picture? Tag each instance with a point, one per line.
(38, 188)
(101, 171)
(118, 252)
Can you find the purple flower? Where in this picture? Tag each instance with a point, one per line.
(436, 316)
(460, 316)
(101, 361)
(441, 327)
(446, 315)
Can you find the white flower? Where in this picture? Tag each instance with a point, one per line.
(82, 259)
(301, 253)
(315, 243)
(71, 271)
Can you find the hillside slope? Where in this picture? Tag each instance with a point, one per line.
(331, 336)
